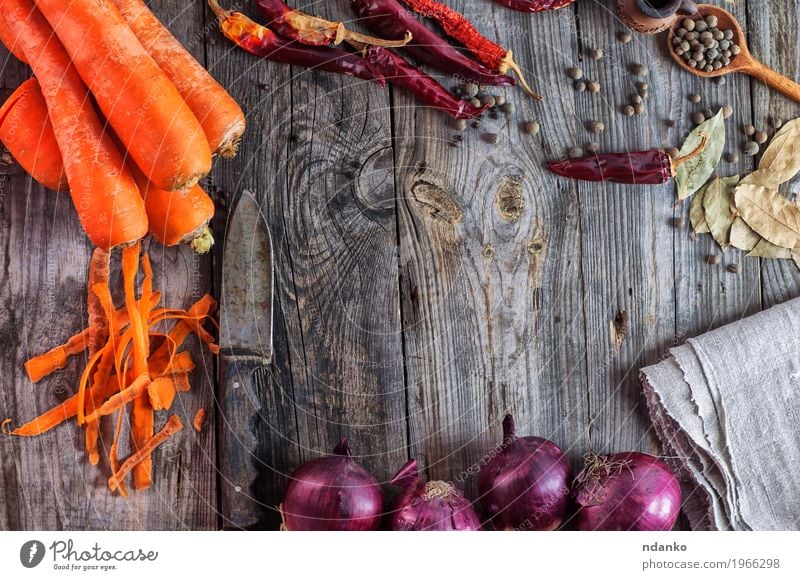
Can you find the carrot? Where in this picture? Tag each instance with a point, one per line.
(98, 319)
(142, 419)
(174, 217)
(177, 371)
(182, 384)
(99, 324)
(27, 133)
(113, 453)
(220, 116)
(172, 426)
(8, 40)
(42, 365)
(136, 389)
(178, 217)
(147, 113)
(199, 419)
(161, 393)
(102, 189)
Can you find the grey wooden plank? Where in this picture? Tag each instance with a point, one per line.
(46, 481)
(490, 270)
(319, 152)
(626, 253)
(772, 34)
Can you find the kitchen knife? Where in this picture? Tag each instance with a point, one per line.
(245, 354)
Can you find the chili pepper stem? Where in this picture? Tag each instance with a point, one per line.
(218, 10)
(692, 154)
(507, 64)
(343, 33)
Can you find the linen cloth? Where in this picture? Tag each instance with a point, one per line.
(726, 406)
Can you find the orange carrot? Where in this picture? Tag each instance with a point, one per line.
(161, 393)
(147, 113)
(172, 426)
(7, 39)
(98, 320)
(99, 324)
(221, 118)
(102, 189)
(27, 133)
(136, 389)
(42, 365)
(181, 380)
(178, 371)
(174, 216)
(113, 453)
(178, 217)
(199, 419)
(142, 419)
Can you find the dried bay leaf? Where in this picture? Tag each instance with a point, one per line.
(763, 177)
(765, 249)
(692, 175)
(697, 215)
(781, 158)
(742, 236)
(769, 214)
(717, 206)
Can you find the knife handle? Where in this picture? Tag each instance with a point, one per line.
(241, 380)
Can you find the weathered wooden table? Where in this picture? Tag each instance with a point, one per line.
(423, 290)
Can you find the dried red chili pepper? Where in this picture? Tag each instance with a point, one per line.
(534, 5)
(307, 29)
(649, 167)
(261, 41)
(459, 28)
(390, 19)
(398, 72)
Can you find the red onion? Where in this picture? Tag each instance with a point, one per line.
(525, 486)
(332, 493)
(436, 506)
(626, 491)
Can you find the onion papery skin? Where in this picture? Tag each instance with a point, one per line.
(628, 491)
(525, 486)
(332, 493)
(436, 506)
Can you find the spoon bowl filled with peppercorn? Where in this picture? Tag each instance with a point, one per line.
(711, 44)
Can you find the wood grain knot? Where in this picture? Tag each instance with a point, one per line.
(441, 206)
(508, 200)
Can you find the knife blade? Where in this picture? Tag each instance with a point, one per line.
(245, 354)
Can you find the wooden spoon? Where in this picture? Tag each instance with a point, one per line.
(744, 62)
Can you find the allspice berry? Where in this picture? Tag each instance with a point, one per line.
(760, 137)
(575, 73)
(531, 127)
(597, 127)
(751, 148)
(713, 259)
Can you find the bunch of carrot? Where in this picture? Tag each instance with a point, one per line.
(135, 164)
(130, 364)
